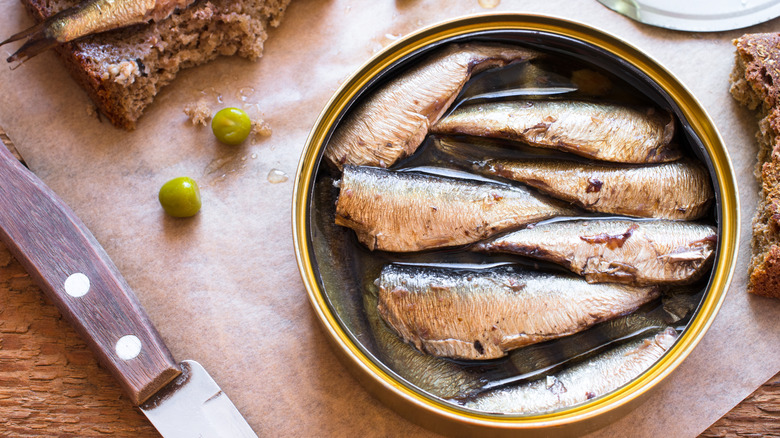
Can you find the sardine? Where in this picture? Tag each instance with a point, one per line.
(600, 131)
(638, 252)
(392, 122)
(435, 375)
(534, 361)
(538, 360)
(482, 314)
(580, 383)
(677, 190)
(411, 211)
(88, 17)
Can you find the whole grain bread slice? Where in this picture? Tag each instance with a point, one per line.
(123, 70)
(755, 82)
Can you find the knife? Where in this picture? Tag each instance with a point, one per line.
(697, 15)
(74, 271)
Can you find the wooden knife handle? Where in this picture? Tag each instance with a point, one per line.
(71, 267)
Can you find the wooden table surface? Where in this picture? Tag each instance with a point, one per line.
(52, 385)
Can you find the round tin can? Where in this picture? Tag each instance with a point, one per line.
(332, 293)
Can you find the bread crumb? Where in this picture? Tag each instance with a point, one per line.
(123, 72)
(198, 112)
(260, 128)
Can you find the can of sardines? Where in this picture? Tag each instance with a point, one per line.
(514, 223)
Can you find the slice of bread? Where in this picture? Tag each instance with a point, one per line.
(755, 82)
(122, 70)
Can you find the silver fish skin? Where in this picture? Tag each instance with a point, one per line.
(435, 375)
(677, 304)
(411, 211)
(580, 383)
(638, 252)
(600, 131)
(483, 314)
(392, 122)
(677, 190)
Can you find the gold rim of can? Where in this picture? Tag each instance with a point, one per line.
(445, 417)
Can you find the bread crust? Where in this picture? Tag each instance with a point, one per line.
(123, 70)
(755, 83)
(760, 56)
(765, 278)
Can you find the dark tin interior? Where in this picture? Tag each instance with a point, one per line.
(338, 267)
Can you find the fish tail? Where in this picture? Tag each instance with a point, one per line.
(85, 18)
(38, 40)
(23, 34)
(42, 36)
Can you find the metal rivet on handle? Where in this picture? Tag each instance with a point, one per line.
(77, 285)
(128, 347)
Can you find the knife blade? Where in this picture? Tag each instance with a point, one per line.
(697, 15)
(74, 271)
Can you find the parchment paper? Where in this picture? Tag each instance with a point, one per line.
(223, 288)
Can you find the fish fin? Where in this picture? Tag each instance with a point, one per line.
(693, 254)
(530, 134)
(597, 270)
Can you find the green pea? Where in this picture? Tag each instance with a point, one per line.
(180, 197)
(231, 125)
